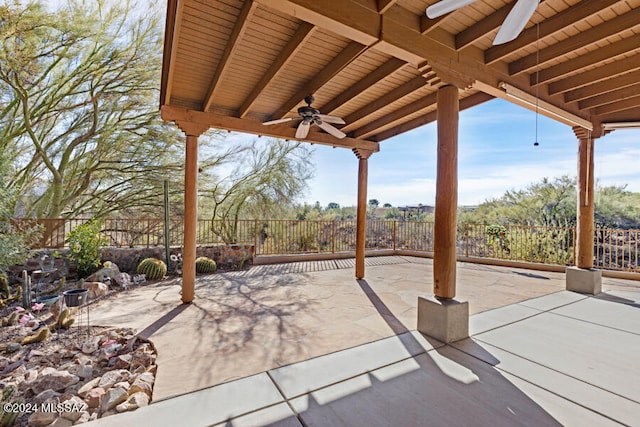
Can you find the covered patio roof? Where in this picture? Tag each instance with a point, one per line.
(232, 64)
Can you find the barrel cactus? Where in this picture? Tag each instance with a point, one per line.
(152, 268)
(205, 265)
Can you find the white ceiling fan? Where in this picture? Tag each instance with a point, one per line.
(512, 25)
(311, 116)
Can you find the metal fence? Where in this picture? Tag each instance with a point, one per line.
(614, 249)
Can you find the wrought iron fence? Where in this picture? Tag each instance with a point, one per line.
(614, 249)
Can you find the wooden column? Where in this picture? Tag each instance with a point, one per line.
(193, 131)
(584, 235)
(190, 219)
(361, 219)
(444, 239)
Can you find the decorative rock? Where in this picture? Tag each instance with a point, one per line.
(96, 289)
(94, 397)
(91, 345)
(140, 358)
(112, 398)
(143, 383)
(73, 403)
(83, 371)
(123, 280)
(123, 385)
(123, 361)
(58, 380)
(12, 347)
(45, 395)
(82, 391)
(135, 401)
(41, 419)
(112, 377)
(61, 422)
(99, 275)
(84, 417)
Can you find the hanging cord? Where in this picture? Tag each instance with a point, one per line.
(536, 143)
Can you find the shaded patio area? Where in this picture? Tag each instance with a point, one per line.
(271, 316)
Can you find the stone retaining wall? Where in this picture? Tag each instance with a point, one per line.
(228, 257)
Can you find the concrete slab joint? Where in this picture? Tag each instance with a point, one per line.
(584, 280)
(446, 320)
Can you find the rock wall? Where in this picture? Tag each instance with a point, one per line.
(228, 257)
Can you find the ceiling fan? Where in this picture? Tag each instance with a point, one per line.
(311, 116)
(512, 25)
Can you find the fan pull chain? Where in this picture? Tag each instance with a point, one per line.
(536, 143)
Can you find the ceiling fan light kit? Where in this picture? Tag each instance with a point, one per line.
(311, 116)
(513, 24)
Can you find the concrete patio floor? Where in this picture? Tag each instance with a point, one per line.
(312, 345)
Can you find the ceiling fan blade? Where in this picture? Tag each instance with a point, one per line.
(445, 6)
(515, 21)
(303, 130)
(331, 119)
(330, 129)
(275, 122)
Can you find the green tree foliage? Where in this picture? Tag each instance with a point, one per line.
(85, 246)
(617, 208)
(78, 107)
(549, 202)
(266, 181)
(553, 203)
(15, 240)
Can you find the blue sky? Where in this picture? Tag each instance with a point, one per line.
(496, 154)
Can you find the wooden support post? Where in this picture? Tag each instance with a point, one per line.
(584, 238)
(190, 219)
(444, 239)
(361, 219)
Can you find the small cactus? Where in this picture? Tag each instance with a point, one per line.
(7, 291)
(42, 335)
(8, 418)
(205, 265)
(4, 285)
(152, 268)
(64, 321)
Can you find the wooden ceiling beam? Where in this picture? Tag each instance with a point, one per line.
(610, 97)
(384, 5)
(217, 121)
(391, 97)
(610, 28)
(385, 70)
(344, 58)
(629, 104)
(595, 75)
(348, 18)
(594, 89)
(402, 112)
(468, 102)
(294, 45)
(173, 24)
(548, 27)
(240, 27)
(619, 48)
(482, 27)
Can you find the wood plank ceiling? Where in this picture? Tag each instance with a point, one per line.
(233, 64)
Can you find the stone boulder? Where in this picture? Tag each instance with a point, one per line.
(96, 289)
(123, 280)
(54, 380)
(99, 275)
